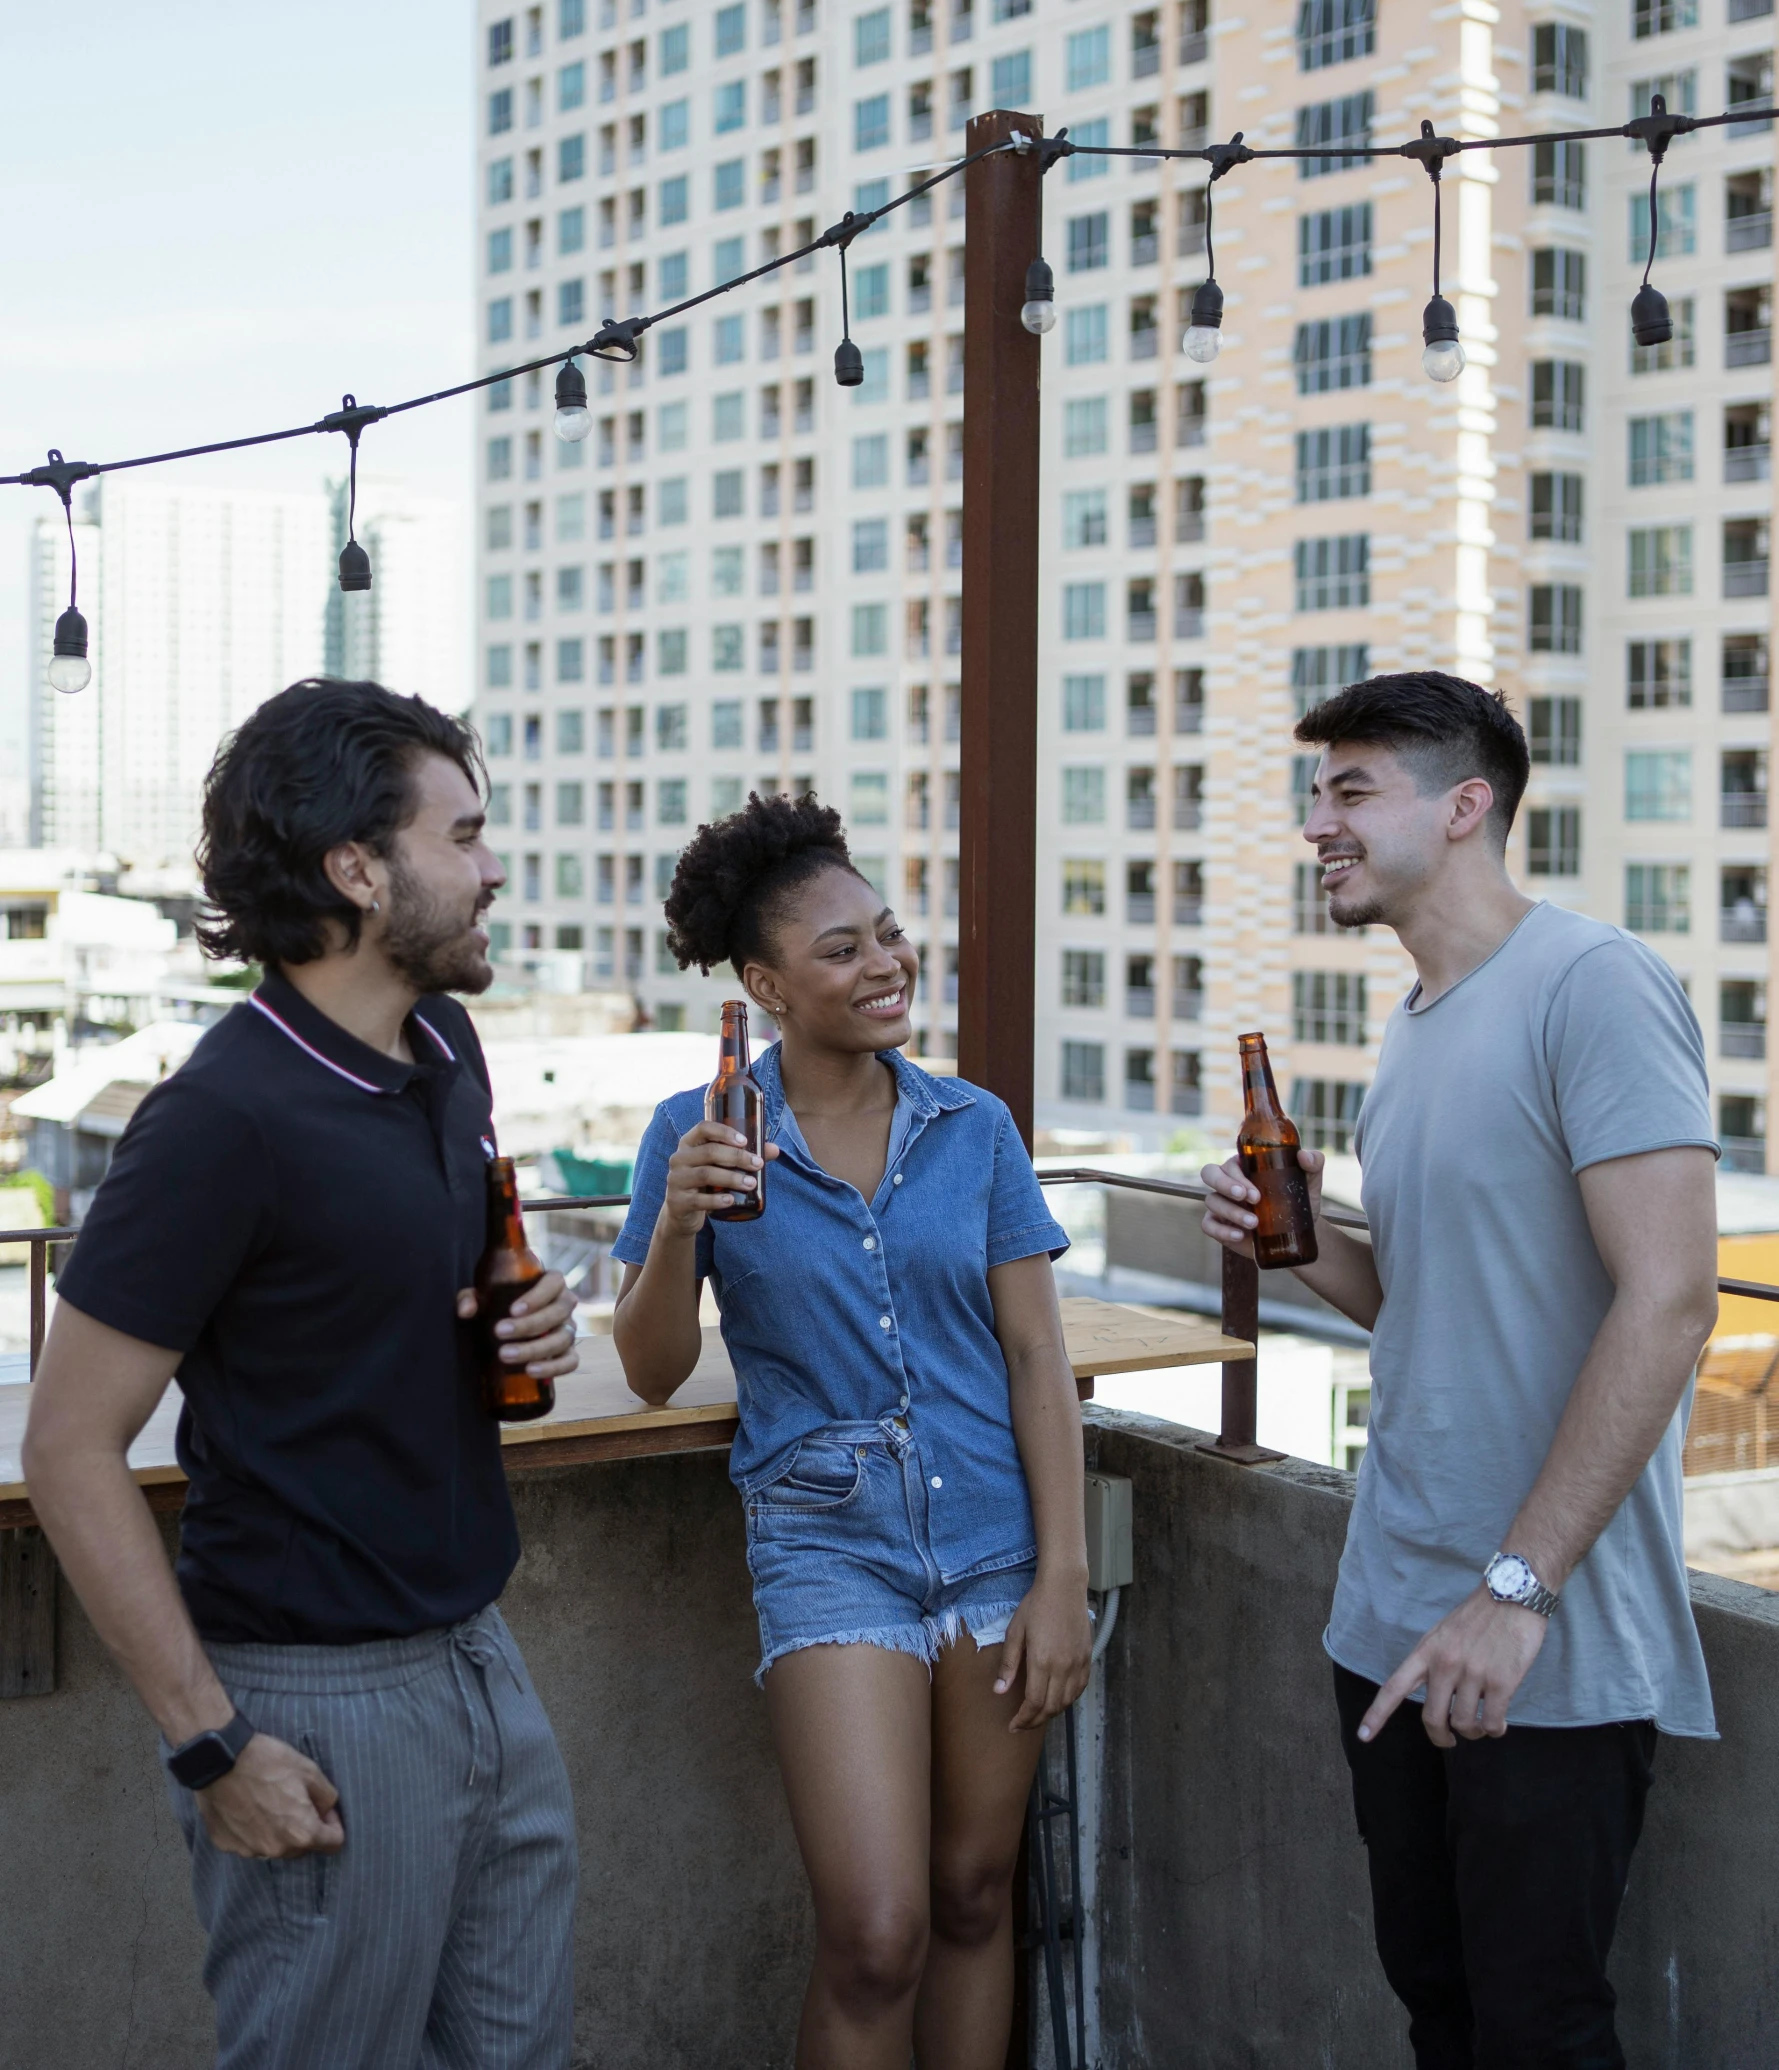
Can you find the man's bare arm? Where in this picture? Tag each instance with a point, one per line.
(1654, 1222)
(95, 1389)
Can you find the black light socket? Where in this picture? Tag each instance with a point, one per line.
(571, 387)
(1650, 322)
(849, 364)
(71, 633)
(1040, 282)
(1207, 307)
(1439, 323)
(355, 566)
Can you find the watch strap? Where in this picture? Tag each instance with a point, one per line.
(207, 1757)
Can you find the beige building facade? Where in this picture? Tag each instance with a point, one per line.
(749, 578)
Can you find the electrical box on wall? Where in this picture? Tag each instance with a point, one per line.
(1108, 1531)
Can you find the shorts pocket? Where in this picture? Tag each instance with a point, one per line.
(303, 1885)
(824, 1474)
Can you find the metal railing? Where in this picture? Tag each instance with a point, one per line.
(1240, 1317)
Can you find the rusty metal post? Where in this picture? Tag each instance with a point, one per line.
(1241, 1318)
(39, 1271)
(997, 835)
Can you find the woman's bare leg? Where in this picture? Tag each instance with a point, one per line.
(982, 1776)
(853, 1727)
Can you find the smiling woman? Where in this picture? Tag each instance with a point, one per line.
(910, 1445)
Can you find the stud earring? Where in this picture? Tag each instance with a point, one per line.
(375, 907)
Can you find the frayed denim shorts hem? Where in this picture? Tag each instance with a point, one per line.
(840, 1552)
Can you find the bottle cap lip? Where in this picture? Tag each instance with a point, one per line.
(1257, 1036)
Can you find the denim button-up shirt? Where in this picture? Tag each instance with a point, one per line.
(836, 1309)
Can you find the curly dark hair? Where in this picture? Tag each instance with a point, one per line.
(1445, 728)
(321, 763)
(735, 875)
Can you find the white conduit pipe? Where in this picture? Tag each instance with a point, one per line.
(1108, 1619)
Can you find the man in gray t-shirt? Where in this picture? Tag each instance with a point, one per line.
(1511, 1625)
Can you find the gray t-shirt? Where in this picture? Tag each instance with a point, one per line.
(1570, 1045)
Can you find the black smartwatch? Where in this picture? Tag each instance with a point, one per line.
(209, 1756)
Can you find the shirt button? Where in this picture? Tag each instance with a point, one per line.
(870, 1243)
(938, 1481)
(903, 1403)
(883, 1322)
(897, 1180)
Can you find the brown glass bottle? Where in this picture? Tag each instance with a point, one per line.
(1267, 1144)
(508, 1268)
(735, 1097)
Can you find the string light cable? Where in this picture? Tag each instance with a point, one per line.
(619, 339)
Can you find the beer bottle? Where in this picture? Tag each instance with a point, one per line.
(1267, 1144)
(508, 1269)
(735, 1098)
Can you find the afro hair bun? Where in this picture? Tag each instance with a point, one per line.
(735, 871)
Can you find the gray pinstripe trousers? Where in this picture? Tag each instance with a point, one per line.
(440, 1937)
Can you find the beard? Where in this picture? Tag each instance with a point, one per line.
(1367, 912)
(427, 941)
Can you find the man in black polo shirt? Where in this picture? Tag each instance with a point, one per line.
(381, 1832)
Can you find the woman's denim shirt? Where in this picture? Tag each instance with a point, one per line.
(836, 1309)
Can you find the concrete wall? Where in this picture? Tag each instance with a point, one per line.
(1235, 1914)
(1234, 1917)
(632, 1604)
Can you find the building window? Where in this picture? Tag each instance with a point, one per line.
(1084, 518)
(1661, 17)
(1559, 284)
(500, 112)
(571, 87)
(870, 714)
(1086, 335)
(1555, 618)
(571, 301)
(1087, 167)
(1659, 784)
(870, 629)
(1661, 561)
(1084, 888)
(731, 29)
(1084, 611)
(1334, 244)
(500, 459)
(1083, 704)
(1333, 463)
(1083, 978)
(1186, 1091)
(1084, 426)
(1661, 448)
(675, 200)
(1560, 61)
(1010, 82)
(1558, 393)
(1326, 1111)
(571, 661)
(571, 158)
(1553, 841)
(1329, 32)
(500, 182)
(1658, 674)
(1318, 671)
(1089, 242)
(1343, 125)
(1676, 221)
(1088, 60)
(1333, 574)
(726, 490)
(1309, 910)
(871, 37)
(1328, 1006)
(1559, 174)
(871, 122)
(1658, 898)
(500, 320)
(1556, 508)
(500, 250)
(1555, 731)
(1333, 353)
(1084, 1071)
(1084, 797)
(1744, 672)
(726, 649)
(499, 668)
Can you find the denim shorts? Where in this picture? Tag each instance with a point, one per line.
(838, 1545)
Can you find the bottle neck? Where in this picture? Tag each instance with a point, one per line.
(732, 1057)
(1259, 1094)
(506, 1224)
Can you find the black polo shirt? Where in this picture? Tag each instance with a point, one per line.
(294, 1213)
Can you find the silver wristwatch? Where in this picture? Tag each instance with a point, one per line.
(1509, 1579)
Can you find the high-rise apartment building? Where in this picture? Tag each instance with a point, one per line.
(201, 603)
(748, 577)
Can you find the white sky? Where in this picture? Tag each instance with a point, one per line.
(220, 215)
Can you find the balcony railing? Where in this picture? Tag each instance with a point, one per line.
(1745, 578)
(1752, 463)
(1750, 348)
(1744, 693)
(1742, 922)
(1742, 1039)
(1748, 233)
(1189, 625)
(1743, 1154)
(1139, 814)
(1189, 1005)
(1743, 809)
(1139, 1002)
(1140, 625)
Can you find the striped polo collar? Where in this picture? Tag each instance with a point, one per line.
(331, 1047)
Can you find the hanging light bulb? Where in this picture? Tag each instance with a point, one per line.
(1204, 335)
(69, 669)
(355, 566)
(573, 419)
(1443, 359)
(849, 364)
(1038, 312)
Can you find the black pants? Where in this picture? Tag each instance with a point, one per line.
(1497, 1871)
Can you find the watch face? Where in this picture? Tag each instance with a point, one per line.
(1509, 1577)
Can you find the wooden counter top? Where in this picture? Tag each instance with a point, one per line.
(597, 1417)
